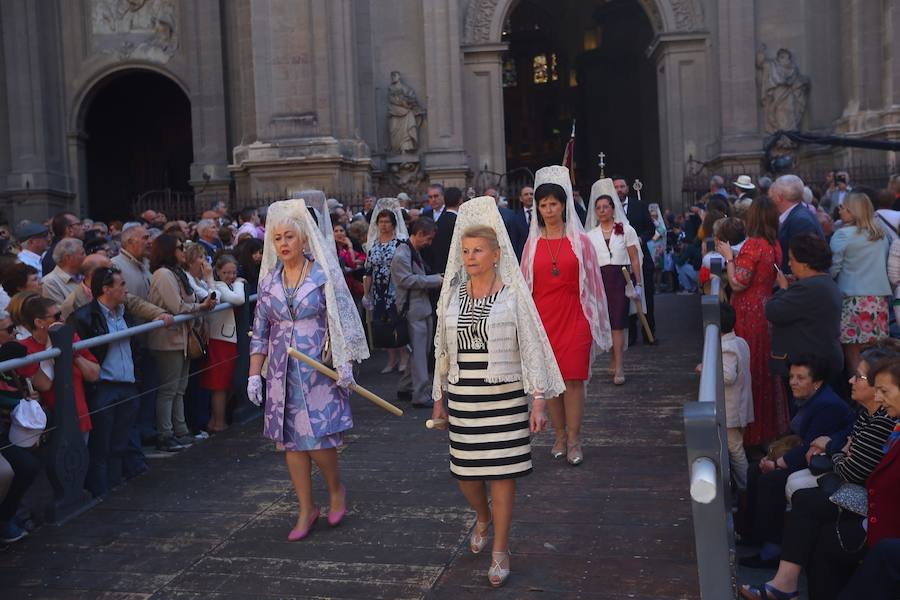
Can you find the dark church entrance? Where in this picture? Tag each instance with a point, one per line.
(573, 59)
(138, 130)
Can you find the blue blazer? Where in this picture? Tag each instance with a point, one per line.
(799, 220)
(825, 413)
(521, 226)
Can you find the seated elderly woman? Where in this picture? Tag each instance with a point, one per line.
(806, 314)
(811, 509)
(820, 412)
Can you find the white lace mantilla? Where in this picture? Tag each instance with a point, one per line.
(518, 346)
(393, 205)
(345, 330)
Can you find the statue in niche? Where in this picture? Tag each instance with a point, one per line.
(783, 90)
(405, 116)
(136, 28)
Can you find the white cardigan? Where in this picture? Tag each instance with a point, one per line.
(513, 355)
(221, 324)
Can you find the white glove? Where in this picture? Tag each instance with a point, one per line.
(637, 293)
(345, 375)
(254, 389)
(367, 303)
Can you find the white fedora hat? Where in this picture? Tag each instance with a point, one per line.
(744, 182)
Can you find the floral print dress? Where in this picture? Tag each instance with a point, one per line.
(305, 410)
(378, 267)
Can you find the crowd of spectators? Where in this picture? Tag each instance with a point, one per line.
(131, 394)
(172, 387)
(811, 371)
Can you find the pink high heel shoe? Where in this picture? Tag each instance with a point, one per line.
(335, 518)
(298, 534)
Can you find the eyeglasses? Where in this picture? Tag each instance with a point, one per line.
(859, 377)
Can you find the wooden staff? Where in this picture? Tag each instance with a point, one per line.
(435, 423)
(629, 287)
(356, 388)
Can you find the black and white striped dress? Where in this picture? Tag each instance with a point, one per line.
(489, 435)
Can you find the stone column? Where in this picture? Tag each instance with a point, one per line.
(37, 183)
(737, 90)
(684, 123)
(209, 172)
(444, 157)
(483, 85)
(298, 82)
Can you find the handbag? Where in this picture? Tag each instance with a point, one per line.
(852, 497)
(197, 340)
(820, 464)
(390, 331)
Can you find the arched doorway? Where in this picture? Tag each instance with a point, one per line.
(137, 132)
(570, 60)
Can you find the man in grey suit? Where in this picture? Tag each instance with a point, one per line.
(412, 284)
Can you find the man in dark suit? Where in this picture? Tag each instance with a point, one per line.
(639, 217)
(787, 196)
(508, 216)
(435, 207)
(440, 247)
(523, 216)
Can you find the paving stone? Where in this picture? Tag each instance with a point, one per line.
(211, 522)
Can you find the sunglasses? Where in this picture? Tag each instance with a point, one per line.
(56, 316)
(179, 247)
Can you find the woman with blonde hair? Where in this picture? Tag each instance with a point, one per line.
(491, 353)
(304, 304)
(859, 265)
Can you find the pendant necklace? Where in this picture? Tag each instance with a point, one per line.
(554, 255)
(290, 296)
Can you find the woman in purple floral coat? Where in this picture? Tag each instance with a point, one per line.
(303, 300)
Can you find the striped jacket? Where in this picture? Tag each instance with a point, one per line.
(870, 432)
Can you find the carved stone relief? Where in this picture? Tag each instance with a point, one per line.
(142, 29)
(478, 21)
(406, 176)
(480, 15)
(783, 90)
(687, 15)
(405, 116)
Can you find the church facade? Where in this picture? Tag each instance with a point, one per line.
(104, 100)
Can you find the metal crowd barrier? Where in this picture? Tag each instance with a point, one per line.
(67, 453)
(707, 455)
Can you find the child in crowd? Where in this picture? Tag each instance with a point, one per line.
(738, 393)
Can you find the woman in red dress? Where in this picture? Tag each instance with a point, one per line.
(561, 268)
(752, 277)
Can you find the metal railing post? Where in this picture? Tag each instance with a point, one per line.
(243, 321)
(705, 436)
(67, 462)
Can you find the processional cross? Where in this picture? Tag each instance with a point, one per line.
(602, 165)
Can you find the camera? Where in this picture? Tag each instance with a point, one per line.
(840, 179)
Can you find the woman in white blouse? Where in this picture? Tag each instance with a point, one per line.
(617, 245)
(218, 374)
